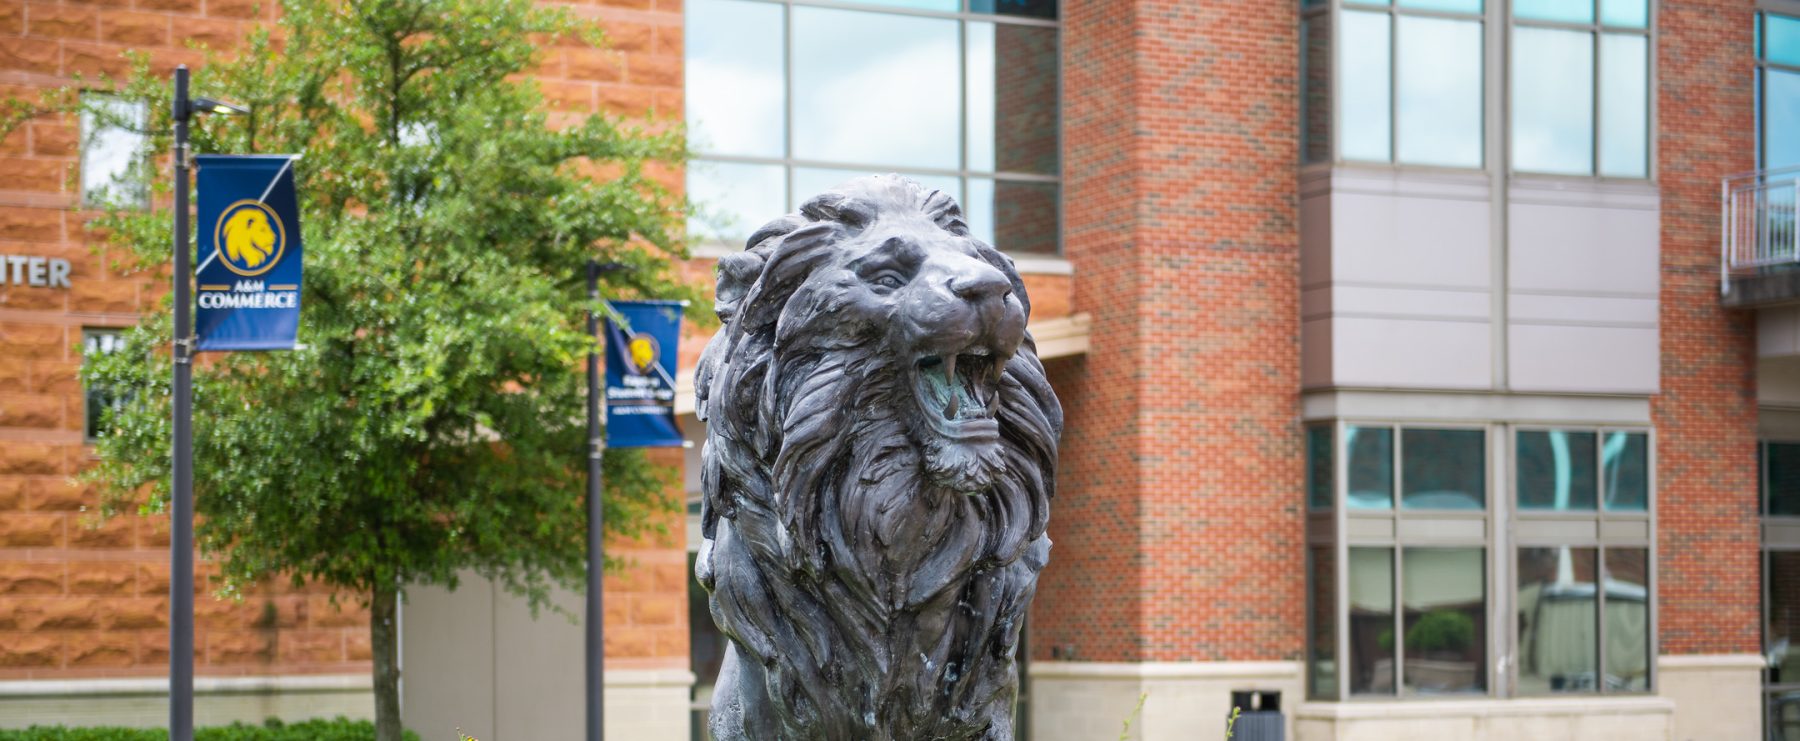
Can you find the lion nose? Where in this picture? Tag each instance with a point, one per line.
(980, 282)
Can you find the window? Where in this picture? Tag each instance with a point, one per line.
(1581, 87)
(1778, 90)
(1410, 77)
(1424, 577)
(97, 400)
(113, 149)
(961, 96)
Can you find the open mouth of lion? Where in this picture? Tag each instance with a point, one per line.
(959, 393)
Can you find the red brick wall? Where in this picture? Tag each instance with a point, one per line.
(1706, 414)
(1178, 523)
(76, 600)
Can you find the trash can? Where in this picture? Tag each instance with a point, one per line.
(1259, 716)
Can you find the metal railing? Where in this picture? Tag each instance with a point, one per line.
(1759, 231)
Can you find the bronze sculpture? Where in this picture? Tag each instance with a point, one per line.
(880, 456)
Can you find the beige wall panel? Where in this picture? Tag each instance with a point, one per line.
(1186, 701)
(1404, 353)
(1583, 359)
(1717, 697)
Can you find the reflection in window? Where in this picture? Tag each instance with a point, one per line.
(1443, 469)
(1437, 79)
(1625, 471)
(1556, 470)
(1319, 476)
(1315, 104)
(113, 150)
(1322, 580)
(1364, 56)
(1559, 642)
(1555, 71)
(1371, 626)
(1445, 643)
(98, 401)
(1781, 474)
(1781, 636)
(967, 103)
(1778, 75)
(1626, 604)
(1370, 457)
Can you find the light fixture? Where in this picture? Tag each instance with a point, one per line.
(208, 105)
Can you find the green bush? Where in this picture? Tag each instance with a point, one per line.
(341, 729)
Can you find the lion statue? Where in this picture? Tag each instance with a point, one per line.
(879, 462)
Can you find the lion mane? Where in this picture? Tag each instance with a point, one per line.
(864, 595)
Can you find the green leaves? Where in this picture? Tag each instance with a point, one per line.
(432, 423)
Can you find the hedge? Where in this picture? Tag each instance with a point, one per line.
(341, 729)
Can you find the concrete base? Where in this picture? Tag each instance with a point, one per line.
(144, 703)
(1638, 718)
(475, 660)
(1189, 701)
(1718, 697)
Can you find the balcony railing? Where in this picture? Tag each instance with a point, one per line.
(1759, 231)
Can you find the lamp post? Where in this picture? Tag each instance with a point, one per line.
(596, 554)
(181, 487)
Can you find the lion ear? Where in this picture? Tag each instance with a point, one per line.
(739, 271)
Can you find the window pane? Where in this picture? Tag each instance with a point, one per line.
(1439, 92)
(811, 181)
(1628, 13)
(1024, 8)
(733, 199)
(1445, 643)
(1443, 469)
(1363, 71)
(1012, 98)
(1782, 638)
(1625, 471)
(870, 88)
(1624, 105)
(97, 400)
(1783, 461)
(942, 6)
(1627, 619)
(1454, 6)
(112, 152)
(1567, 11)
(1781, 40)
(1556, 470)
(1315, 64)
(1371, 621)
(1781, 114)
(1553, 101)
(735, 103)
(1319, 478)
(1322, 581)
(1559, 642)
(1370, 456)
(1013, 216)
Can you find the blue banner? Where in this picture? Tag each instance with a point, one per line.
(640, 375)
(248, 227)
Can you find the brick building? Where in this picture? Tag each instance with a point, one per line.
(1419, 360)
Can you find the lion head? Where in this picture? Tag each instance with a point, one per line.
(248, 238)
(880, 433)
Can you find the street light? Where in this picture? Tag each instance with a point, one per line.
(181, 541)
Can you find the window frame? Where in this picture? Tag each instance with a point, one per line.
(790, 163)
(1505, 529)
(1394, 10)
(1779, 534)
(139, 196)
(1595, 30)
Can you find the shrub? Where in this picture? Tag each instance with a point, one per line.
(341, 729)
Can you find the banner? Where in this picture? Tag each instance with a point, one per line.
(640, 375)
(248, 227)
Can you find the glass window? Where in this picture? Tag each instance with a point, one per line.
(1364, 57)
(1781, 113)
(1781, 39)
(96, 401)
(1581, 96)
(1372, 641)
(1625, 471)
(1556, 470)
(1559, 642)
(965, 102)
(1322, 665)
(1443, 469)
(1320, 479)
(1553, 101)
(1454, 6)
(113, 151)
(1781, 463)
(1627, 612)
(1370, 457)
(1437, 79)
(1445, 642)
(1781, 633)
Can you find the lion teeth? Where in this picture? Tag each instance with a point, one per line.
(955, 392)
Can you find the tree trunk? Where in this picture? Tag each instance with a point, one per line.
(384, 641)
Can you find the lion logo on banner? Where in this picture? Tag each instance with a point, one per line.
(880, 457)
(250, 237)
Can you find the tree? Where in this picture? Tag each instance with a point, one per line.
(431, 422)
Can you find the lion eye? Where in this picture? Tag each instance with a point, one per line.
(889, 281)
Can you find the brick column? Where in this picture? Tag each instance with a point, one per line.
(1177, 522)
